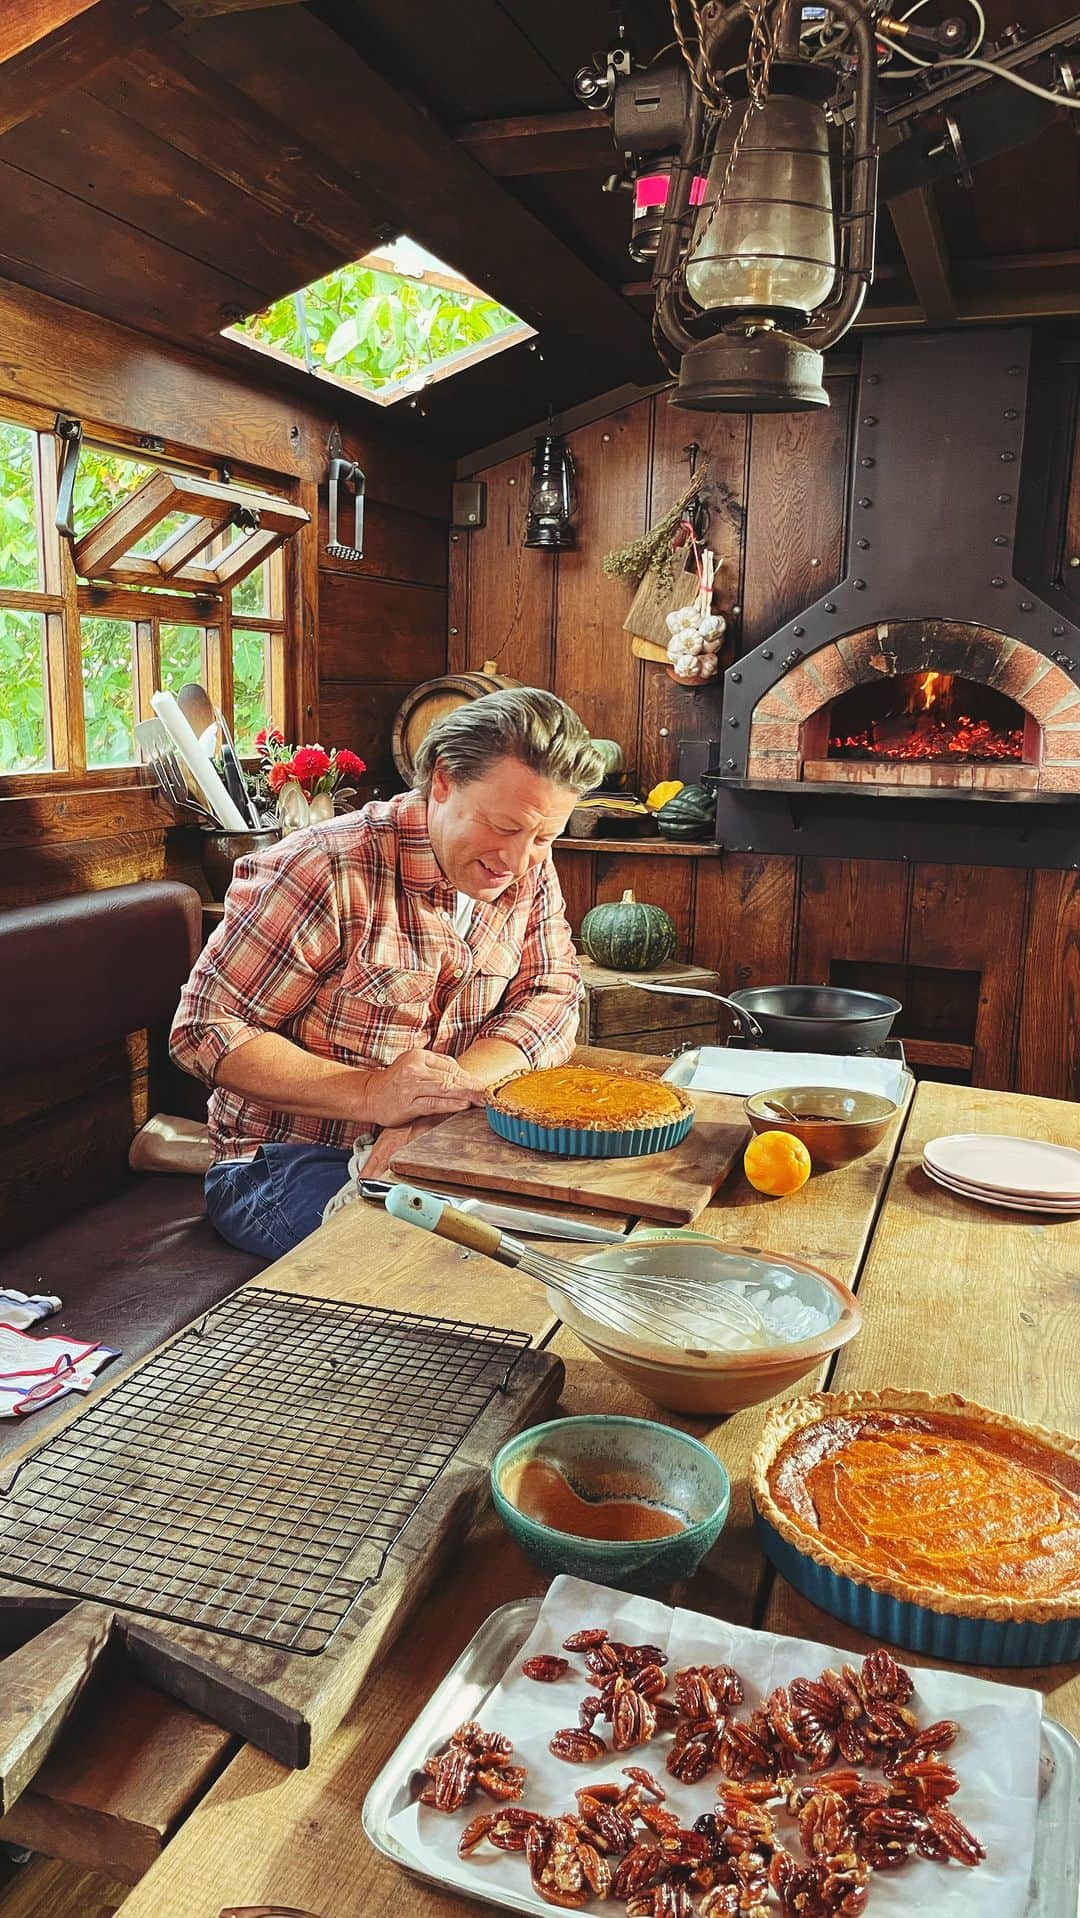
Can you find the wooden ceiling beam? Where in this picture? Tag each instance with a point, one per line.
(49, 46)
(174, 96)
(309, 75)
(922, 242)
(540, 143)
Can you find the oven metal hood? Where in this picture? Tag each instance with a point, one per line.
(933, 516)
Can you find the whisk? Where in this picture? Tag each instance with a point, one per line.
(690, 1316)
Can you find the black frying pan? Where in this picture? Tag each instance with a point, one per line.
(814, 1018)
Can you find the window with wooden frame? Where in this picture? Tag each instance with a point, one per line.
(80, 659)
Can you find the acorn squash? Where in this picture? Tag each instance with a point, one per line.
(690, 815)
(628, 935)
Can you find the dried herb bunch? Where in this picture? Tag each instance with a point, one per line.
(651, 551)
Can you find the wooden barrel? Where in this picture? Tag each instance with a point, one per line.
(431, 701)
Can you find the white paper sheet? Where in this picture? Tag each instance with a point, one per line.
(996, 1756)
(729, 1069)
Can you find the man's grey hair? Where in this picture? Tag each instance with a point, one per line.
(521, 722)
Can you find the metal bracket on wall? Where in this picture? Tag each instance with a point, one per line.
(345, 472)
(70, 434)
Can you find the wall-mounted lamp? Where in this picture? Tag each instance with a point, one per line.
(551, 504)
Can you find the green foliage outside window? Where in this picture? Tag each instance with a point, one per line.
(250, 703)
(23, 733)
(19, 564)
(108, 657)
(377, 329)
(181, 656)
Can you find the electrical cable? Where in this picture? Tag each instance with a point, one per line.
(892, 72)
(987, 66)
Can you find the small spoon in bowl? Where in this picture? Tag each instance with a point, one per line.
(783, 1112)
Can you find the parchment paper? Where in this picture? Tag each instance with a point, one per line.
(996, 1757)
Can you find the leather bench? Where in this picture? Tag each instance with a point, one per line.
(132, 1255)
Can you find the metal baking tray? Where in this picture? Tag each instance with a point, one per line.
(1055, 1880)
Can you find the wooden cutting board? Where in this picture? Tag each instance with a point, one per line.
(673, 1187)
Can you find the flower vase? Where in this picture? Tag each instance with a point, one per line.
(295, 810)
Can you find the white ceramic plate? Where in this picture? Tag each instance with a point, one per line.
(1027, 1168)
(1050, 1208)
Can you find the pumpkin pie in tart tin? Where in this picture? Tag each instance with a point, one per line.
(930, 1522)
(589, 1112)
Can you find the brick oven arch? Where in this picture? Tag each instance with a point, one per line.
(783, 735)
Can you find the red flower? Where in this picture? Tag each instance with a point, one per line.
(280, 774)
(269, 736)
(348, 764)
(309, 764)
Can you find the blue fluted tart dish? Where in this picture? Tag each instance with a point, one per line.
(930, 1522)
(588, 1112)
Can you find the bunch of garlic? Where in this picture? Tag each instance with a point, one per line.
(696, 639)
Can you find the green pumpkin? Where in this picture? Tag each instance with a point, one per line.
(628, 936)
(690, 815)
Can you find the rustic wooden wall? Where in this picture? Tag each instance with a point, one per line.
(987, 961)
(364, 633)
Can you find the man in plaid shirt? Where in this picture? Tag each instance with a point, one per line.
(374, 974)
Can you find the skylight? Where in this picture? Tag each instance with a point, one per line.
(386, 326)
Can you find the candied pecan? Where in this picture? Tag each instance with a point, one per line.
(690, 1761)
(596, 1869)
(897, 1822)
(612, 1828)
(649, 1680)
(745, 1814)
(726, 1685)
(796, 1888)
(576, 1746)
(825, 1825)
(545, 1668)
(722, 1901)
(816, 1739)
(633, 1720)
(746, 1747)
(637, 1870)
(845, 1884)
(922, 1782)
(667, 1713)
(645, 1778)
(471, 1736)
(490, 1747)
(883, 1677)
(694, 1694)
(659, 1819)
(853, 1743)
(945, 1837)
(636, 1657)
(454, 1779)
(778, 1711)
(584, 1641)
(663, 1901)
(609, 1793)
(844, 1692)
(603, 1660)
(477, 1829)
(888, 1728)
(682, 1848)
(510, 1828)
(502, 1781)
(928, 1740)
(812, 1695)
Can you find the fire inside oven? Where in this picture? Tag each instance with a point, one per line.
(926, 716)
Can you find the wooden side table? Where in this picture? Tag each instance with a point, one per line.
(615, 1014)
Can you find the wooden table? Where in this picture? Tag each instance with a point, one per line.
(955, 1297)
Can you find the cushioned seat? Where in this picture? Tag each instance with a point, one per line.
(130, 1271)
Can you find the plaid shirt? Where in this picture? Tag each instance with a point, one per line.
(342, 939)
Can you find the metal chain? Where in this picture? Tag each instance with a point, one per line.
(759, 59)
(714, 97)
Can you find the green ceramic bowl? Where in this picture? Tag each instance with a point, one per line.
(604, 1458)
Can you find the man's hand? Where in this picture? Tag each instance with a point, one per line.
(392, 1139)
(418, 1084)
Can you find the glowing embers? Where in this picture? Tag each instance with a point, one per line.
(917, 716)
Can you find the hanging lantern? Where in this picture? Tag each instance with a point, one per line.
(551, 496)
(772, 272)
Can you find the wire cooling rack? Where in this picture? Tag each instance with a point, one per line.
(252, 1477)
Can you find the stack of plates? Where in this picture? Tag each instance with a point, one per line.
(1026, 1175)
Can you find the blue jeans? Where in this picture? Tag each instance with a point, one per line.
(267, 1204)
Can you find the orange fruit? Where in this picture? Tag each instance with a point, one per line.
(776, 1163)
